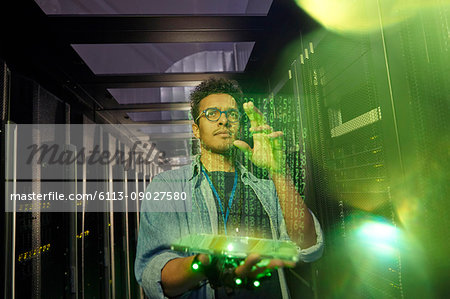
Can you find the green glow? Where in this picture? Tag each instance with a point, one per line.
(378, 231)
(380, 237)
(195, 266)
(256, 283)
(389, 241)
(349, 16)
(238, 281)
(230, 247)
(266, 273)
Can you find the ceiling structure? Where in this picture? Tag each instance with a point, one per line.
(155, 7)
(135, 62)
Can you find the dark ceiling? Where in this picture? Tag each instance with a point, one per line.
(125, 65)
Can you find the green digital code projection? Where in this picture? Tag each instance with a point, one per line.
(282, 113)
(279, 115)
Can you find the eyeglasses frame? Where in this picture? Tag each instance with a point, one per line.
(226, 114)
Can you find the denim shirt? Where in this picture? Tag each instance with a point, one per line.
(158, 230)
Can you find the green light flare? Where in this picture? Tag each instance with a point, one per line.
(416, 59)
(377, 231)
(374, 246)
(380, 237)
(266, 273)
(195, 266)
(238, 281)
(256, 283)
(263, 263)
(349, 16)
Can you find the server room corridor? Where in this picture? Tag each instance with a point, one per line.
(95, 104)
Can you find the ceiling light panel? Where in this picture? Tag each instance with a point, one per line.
(159, 58)
(155, 7)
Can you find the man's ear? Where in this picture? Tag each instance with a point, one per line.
(196, 130)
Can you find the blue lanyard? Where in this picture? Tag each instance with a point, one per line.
(230, 201)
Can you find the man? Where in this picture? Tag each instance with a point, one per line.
(226, 199)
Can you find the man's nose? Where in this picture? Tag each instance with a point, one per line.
(223, 120)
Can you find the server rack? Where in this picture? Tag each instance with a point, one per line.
(372, 110)
(89, 254)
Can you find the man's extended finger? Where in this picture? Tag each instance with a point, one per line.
(289, 264)
(262, 269)
(275, 263)
(205, 259)
(261, 129)
(254, 114)
(276, 140)
(246, 268)
(275, 134)
(243, 146)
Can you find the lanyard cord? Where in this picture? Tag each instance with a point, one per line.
(230, 201)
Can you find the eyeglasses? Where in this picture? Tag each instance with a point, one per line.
(213, 114)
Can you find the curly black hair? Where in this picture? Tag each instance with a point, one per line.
(213, 86)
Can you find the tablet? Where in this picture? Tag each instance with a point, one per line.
(237, 247)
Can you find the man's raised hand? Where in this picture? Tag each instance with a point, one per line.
(268, 148)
